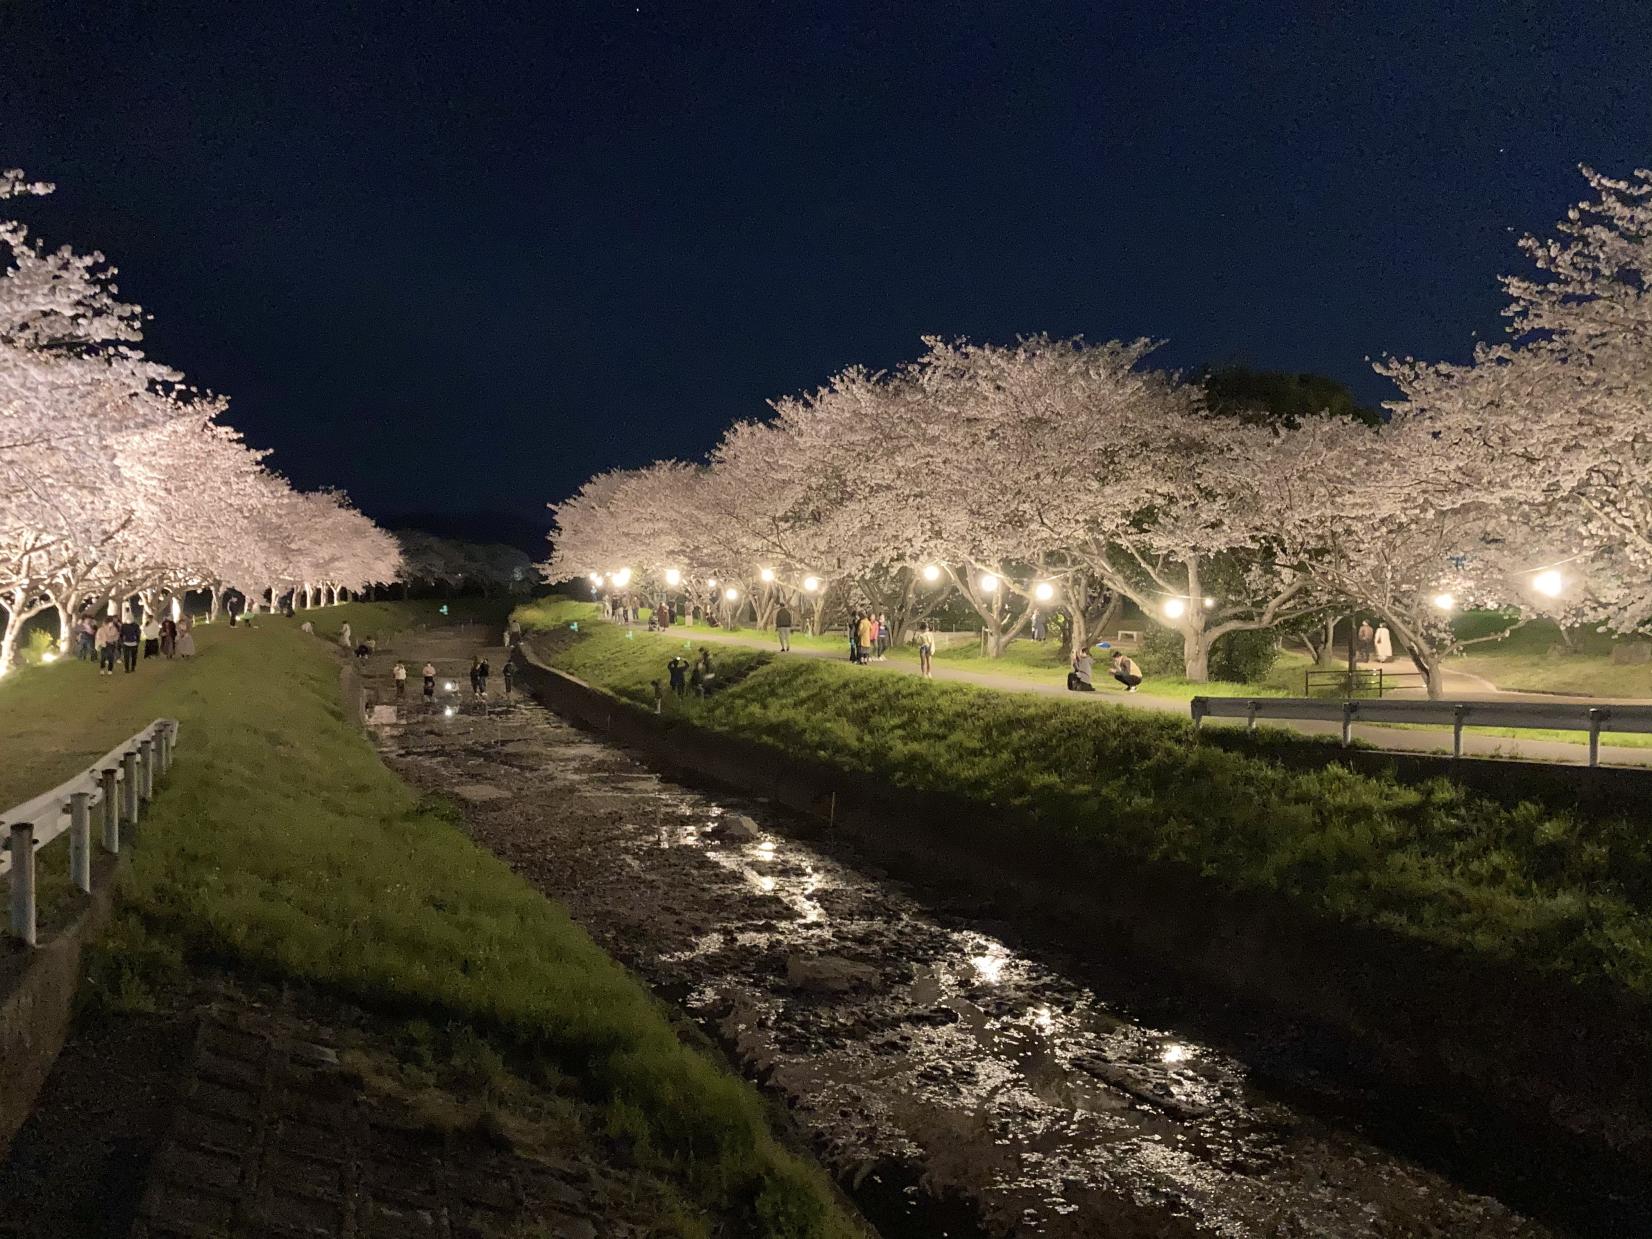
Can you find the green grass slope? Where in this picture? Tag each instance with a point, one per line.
(1567, 893)
(281, 847)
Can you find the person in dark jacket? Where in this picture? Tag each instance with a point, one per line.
(783, 627)
(130, 634)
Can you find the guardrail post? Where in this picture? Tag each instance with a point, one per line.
(1348, 709)
(129, 786)
(1457, 714)
(80, 841)
(111, 810)
(146, 770)
(1597, 716)
(22, 882)
(1198, 707)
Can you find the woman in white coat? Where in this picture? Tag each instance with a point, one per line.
(1383, 643)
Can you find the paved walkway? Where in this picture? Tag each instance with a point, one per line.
(1408, 740)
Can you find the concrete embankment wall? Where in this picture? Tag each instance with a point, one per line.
(1560, 1074)
(37, 992)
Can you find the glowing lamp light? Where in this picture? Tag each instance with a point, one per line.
(767, 574)
(596, 578)
(1549, 583)
(1044, 591)
(673, 578)
(988, 583)
(1174, 608)
(112, 610)
(448, 712)
(731, 593)
(712, 583)
(50, 656)
(810, 584)
(1209, 602)
(450, 686)
(623, 577)
(932, 573)
(1443, 602)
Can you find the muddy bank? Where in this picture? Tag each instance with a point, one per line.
(1515, 1080)
(956, 1082)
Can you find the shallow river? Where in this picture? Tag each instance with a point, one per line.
(962, 1087)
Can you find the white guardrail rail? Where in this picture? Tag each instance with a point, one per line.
(116, 787)
(1547, 716)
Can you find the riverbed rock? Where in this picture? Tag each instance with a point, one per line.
(830, 974)
(739, 827)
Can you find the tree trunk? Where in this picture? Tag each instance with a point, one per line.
(63, 630)
(216, 594)
(1196, 645)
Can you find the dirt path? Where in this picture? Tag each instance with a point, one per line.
(964, 1086)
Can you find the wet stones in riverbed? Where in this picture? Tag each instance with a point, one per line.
(830, 974)
(479, 793)
(738, 828)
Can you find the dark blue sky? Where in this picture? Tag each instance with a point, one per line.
(459, 256)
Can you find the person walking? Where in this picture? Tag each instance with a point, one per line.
(151, 637)
(1365, 643)
(344, 637)
(677, 671)
(1081, 679)
(783, 627)
(483, 670)
(883, 638)
(863, 636)
(169, 638)
(509, 673)
(475, 675)
(854, 636)
(1125, 671)
(398, 673)
(130, 635)
(704, 673)
(926, 652)
(186, 638)
(1382, 644)
(86, 638)
(429, 673)
(107, 643)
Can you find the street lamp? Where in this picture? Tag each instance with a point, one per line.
(622, 577)
(1044, 591)
(673, 578)
(767, 574)
(1209, 602)
(932, 573)
(988, 583)
(810, 584)
(1444, 602)
(1174, 608)
(1549, 583)
(731, 593)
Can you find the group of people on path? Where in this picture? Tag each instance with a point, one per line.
(1374, 645)
(109, 641)
(869, 637)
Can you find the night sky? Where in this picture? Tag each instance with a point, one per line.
(456, 257)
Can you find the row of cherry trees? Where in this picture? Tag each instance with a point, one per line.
(1059, 474)
(118, 479)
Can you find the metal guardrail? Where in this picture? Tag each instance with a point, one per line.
(117, 785)
(1557, 716)
(1360, 681)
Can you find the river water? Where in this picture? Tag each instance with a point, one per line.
(956, 1084)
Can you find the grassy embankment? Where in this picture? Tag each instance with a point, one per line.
(1568, 894)
(282, 849)
(1521, 662)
